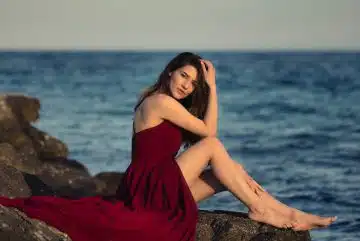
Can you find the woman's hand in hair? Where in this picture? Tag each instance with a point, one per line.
(209, 72)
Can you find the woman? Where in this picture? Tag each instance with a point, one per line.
(157, 197)
(185, 95)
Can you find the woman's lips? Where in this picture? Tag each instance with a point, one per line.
(181, 92)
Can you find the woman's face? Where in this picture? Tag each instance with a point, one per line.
(183, 81)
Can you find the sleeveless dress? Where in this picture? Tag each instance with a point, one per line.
(153, 201)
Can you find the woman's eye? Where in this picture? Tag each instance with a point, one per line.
(183, 74)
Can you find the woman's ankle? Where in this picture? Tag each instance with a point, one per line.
(256, 209)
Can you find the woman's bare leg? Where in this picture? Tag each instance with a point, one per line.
(210, 151)
(207, 184)
(305, 221)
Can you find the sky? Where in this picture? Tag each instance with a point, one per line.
(186, 24)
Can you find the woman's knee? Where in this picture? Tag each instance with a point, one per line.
(212, 142)
(213, 145)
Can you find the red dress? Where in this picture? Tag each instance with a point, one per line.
(153, 201)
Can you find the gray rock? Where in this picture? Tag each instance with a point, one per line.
(32, 146)
(24, 109)
(16, 112)
(233, 226)
(47, 147)
(16, 226)
(110, 182)
(12, 182)
(15, 183)
(68, 178)
(12, 157)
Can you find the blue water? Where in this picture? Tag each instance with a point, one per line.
(292, 119)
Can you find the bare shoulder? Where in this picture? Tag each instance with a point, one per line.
(151, 103)
(157, 103)
(161, 99)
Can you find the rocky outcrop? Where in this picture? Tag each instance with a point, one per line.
(232, 226)
(35, 163)
(16, 226)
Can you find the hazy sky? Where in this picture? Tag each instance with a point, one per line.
(186, 24)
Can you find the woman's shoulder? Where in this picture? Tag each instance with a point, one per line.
(158, 105)
(157, 99)
(152, 101)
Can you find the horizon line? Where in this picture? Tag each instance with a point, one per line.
(179, 50)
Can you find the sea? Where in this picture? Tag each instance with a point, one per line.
(292, 119)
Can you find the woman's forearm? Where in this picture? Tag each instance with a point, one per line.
(211, 115)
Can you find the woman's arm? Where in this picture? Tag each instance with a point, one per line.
(167, 108)
(211, 115)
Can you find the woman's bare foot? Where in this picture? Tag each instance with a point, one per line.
(305, 221)
(269, 216)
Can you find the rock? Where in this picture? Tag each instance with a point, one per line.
(11, 157)
(16, 112)
(216, 225)
(12, 182)
(232, 226)
(15, 183)
(16, 226)
(46, 146)
(110, 182)
(31, 144)
(23, 109)
(27, 159)
(68, 178)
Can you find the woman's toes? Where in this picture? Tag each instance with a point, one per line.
(289, 225)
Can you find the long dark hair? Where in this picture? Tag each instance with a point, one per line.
(196, 103)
